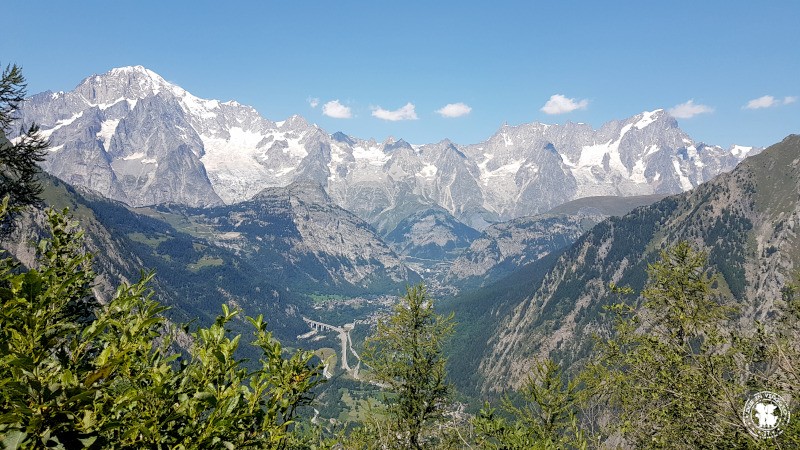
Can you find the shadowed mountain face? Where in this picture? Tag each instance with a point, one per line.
(431, 234)
(746, 221)
(192, 275)
(265, 256)
(132, 136)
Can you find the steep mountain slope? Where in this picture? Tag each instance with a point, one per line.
(132, 136)
(298, 235)
(193, 277)
(746, 220)
(118, 264)
(505, 247)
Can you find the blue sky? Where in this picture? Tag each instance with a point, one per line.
(494, 63)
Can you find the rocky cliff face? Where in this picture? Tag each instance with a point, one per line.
(506, 246)
(297, 233)
(114, 261)
(125, 135)
(431, 238)
(746, 220)
(132, 136)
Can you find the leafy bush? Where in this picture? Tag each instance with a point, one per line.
(77, 374)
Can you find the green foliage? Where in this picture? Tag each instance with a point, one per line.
(670, 373)
(18, 159)
(405, 355)
(674, 373)
(545, 418)
(75, 374)
(785, 342)
(45, 362)
(772, 355)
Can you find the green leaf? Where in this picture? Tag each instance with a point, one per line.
(32, 285)
(88, 441)
(102, 372)
(14, 439)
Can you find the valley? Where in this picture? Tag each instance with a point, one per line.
(400, 225)
(213, 197)
(519, 236)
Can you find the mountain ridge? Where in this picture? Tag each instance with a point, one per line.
(207, 152)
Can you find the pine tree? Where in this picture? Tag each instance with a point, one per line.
(405, 354)
(18, 157)
(543, 414)
(667, 372)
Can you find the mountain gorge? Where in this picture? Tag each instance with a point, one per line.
(745, 220)
(504, 247)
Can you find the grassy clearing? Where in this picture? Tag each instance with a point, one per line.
(321, 299)
(359, 407)
(152, 242)
(180, 222)
(205, 261)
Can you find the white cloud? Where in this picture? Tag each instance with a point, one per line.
(313, 102)
(688, 110)
(336, 110)
(766, 101)
(454, 110)
(405, 113)
(559, 104)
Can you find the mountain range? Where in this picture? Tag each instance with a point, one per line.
(131, 136)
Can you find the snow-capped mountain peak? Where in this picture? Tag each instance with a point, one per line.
(133, 136)
(648, 117)
(136, 72)
(128, 83)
